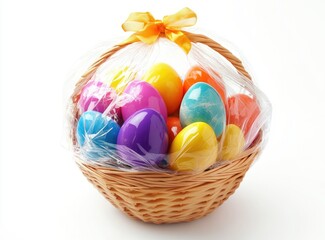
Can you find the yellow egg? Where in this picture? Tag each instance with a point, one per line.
(119, 78)
(195, 148)
(233, 143)
(166, 80)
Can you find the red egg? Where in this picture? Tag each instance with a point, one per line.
(198, 74)
(173, 128)
(242, 111)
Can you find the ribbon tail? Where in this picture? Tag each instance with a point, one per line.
(148, 35)
(180, 39)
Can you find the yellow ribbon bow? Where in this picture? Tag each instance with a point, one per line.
(147, 29)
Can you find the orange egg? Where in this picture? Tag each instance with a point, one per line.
(173, 127)
(242, 110)
(198, 74)
(166, 80)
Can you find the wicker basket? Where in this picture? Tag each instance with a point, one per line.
(161, 197)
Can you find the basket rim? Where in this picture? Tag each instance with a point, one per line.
(246, 154)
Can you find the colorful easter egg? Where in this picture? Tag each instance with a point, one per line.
(173, 128)
(99, 97)
(202, 103)
(242, 111)
(166, 80)
(140, 95)
(96, 133)
(233, 143)
(145, 133)
(197, 74)
(119, 78)
(195, 148)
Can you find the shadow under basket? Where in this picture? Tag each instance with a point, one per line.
(158, 197)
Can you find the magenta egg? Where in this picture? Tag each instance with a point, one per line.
(142, 95)
(143, 139)
(98, 96)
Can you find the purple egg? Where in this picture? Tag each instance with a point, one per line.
(99, 97)
(145, 134)
(142, 95)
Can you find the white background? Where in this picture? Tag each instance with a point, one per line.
(43, 194)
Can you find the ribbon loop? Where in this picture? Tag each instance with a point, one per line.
(184, 18)
(147, 29)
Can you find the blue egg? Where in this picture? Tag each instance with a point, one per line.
(96, 134)
(202, 103)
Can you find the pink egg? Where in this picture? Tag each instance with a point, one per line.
(142, 95)
(98, 96)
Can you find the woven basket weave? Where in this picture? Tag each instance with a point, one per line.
(162, 197)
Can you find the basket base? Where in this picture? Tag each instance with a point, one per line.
(168, 198)
(155, 216)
